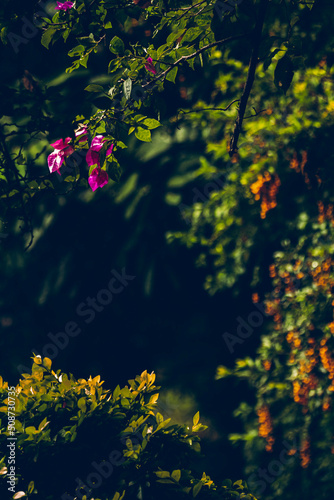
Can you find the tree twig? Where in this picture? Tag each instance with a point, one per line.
(250, 76)
(191, 56)
(256, 113)
(187, 9)
(209, 109)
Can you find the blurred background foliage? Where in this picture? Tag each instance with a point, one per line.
(199, 230)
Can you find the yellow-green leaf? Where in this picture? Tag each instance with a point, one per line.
(196, 418)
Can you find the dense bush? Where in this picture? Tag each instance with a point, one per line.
(78, 440)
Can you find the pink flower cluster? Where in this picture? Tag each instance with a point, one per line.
(150, 66)
(64, 6)
(62, 149)
(98, 177)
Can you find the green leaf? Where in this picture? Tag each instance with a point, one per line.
(161, 50)
(163, 424)
(199, 428)
(3, 35)
(47, 37)
(116, 46)
(143, 135)
(151, 123)
(197, 488)
(65, 34)
(47, 363)
(172, 75)
(74, 435)
(33, 185)
(30, 430)
(127, 86)
(84, 60)
(162, 474)
(76, 51)
(82, 404)
(176, 475)
(31, 487)
(121, 145)
(94, 88)
(159, 418)
(196, 418)
(191, 34)
(117, 392)
(174, 36)
(43, 424)
(269, 59)
(114, 171)
(12, 193)
(284, 73)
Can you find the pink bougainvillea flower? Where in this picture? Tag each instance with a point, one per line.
(82, 132)
(150, 66)
(93, 156)
(64, 5)
(98, 178)
(109, 150)
(62, 149)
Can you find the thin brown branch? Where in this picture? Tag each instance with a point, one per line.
(208, 109)
(250, 76)
(191, 56)
(189, 8)
(256, 113)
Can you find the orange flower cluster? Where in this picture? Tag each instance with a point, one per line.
(266, 189)
(326, 405)
(265, 426)
(325, 212)
(306, 353)
(267, 365)
(305, 454)
(327, 362)
(287, 281)
(301, 390)
(255, 298)
(322, 275)
(272, 271)
(299, 166)
(293, 339)
(308, 381)
(272, 308)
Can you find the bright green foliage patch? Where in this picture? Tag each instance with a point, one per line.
(68, 429)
